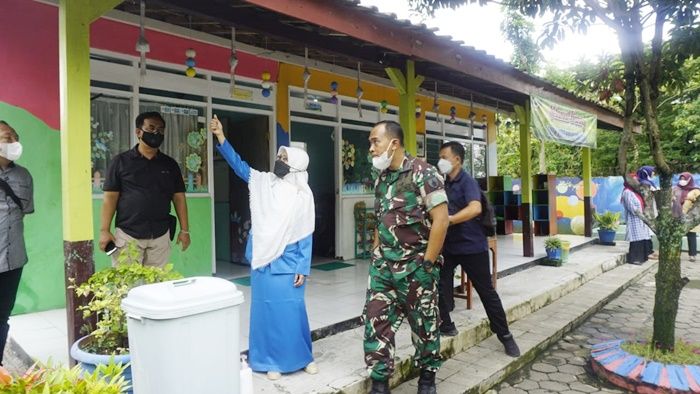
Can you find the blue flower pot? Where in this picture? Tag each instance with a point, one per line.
(90, 361)
(554, 254)
(606, 236)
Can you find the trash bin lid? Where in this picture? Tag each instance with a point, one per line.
(179, 298)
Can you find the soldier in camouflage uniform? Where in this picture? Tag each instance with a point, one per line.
(412, 220)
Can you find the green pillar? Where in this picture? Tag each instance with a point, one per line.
(523, 114)
(74, 18)
(587, 185)
(407, 84)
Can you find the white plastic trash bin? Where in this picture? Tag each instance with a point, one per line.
(184, 336)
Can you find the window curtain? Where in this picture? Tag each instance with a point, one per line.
(111, 127)
(178, 127)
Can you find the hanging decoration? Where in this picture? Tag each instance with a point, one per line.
(484, 119)
(142, 45)
(334, 92)
(472, 114)
(453, 114)
(436, 104)
(190, 63)
(306, 76)
(383, 106)
(233, 62)
(498, 117)
(359, 92)
(419, 109)
(266, 84)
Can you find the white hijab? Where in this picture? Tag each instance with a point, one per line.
(282, 210)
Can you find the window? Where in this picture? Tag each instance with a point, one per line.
(111, 128)
(185, 141)
(479, 160)
(358, 173)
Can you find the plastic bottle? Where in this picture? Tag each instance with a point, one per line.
(246, 377)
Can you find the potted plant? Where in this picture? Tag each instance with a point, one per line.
(608, 223)
(40, 379)
(107, 341)
(553, 247)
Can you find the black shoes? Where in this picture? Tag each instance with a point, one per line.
(380, 387)
(426, 382)
(448, 330)
(509, 344)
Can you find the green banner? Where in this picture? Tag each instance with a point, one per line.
(563, 124)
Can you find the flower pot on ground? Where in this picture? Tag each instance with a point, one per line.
(553, 247)
(108, 338)
(607, 224)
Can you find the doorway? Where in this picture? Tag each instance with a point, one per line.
(318, 140)
(249, 136)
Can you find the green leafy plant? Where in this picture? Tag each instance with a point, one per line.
(608, 220)
(683, 353)
(105, 290)
(58, 379)
(552, 243)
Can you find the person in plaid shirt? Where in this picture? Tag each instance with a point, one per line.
(638, 233)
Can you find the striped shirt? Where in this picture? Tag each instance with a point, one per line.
(637, 230)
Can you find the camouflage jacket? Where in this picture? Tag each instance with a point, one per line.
(403, 199)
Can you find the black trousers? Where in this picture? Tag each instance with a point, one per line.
(692, 244)
(478, 269)
(9, 283)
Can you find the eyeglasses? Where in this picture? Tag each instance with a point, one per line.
(160, 130)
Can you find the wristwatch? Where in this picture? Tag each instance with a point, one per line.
(428, 265)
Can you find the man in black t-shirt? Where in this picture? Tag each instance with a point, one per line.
(466, 246)
(139, 186)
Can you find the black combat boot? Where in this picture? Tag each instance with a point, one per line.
(426, 382)
(380, 387)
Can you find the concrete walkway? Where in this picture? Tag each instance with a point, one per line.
(340, 357)
(563, 368)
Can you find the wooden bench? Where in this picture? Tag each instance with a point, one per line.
(465, 289)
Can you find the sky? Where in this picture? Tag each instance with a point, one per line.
(479, 27)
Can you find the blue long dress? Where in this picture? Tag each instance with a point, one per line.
(279, 338)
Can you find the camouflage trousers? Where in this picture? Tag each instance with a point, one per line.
(389, 300)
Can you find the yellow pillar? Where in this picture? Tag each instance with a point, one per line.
(526, 178)
(587, 185)
(407, 84)
(74, 18)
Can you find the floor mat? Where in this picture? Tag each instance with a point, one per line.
(332, 266)
(244, 281)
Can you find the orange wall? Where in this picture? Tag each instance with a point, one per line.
(292, 75)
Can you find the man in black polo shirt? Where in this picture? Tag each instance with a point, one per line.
(139, 186)
(466, 245)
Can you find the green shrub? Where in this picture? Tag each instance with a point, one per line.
(552, 243)
(608, 220)
(58, 379)
(105, 290)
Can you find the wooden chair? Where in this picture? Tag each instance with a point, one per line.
(465, 289)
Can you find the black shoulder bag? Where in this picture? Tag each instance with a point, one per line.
(6, 187)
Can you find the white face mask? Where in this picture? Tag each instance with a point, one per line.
(383, 161)
(683, 182)
(444, 166)
(11, 151)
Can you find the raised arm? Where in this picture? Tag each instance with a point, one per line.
(239, 166)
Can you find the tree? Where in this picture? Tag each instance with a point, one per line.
(647, 71)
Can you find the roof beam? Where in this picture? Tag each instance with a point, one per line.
(364, 25)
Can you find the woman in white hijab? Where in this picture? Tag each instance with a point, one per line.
(279, 250)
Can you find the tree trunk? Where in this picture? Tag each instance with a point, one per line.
(668, 278)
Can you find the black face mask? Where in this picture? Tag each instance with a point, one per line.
(281, 169)
(154, 140)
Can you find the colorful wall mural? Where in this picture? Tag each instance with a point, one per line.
(605, 196)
